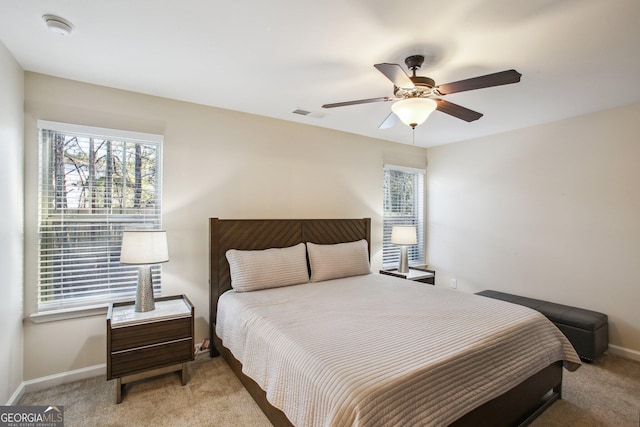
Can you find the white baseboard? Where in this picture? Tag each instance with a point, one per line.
(56, 379)
(67, 377)
(16, 396)
(624, 352)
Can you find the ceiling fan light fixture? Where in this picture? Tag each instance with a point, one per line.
(414, 111)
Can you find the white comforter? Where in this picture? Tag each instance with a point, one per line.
(376, 350)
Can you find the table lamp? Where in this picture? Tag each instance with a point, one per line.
(144, 248)
(404, 235)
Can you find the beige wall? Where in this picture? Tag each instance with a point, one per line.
(11, 229)
(550, 212)
(216, 163)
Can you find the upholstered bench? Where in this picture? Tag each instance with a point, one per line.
(587, 330)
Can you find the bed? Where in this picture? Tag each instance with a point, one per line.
(430, 390)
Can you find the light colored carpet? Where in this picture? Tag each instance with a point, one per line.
(605, 393)
(212, 397)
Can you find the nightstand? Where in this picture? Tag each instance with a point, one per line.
(418, 274)
(140, 345)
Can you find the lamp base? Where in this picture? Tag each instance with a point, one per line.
(403, 267)
(144, 291)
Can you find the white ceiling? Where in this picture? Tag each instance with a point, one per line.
(271, 57)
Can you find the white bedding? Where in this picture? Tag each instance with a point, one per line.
(377, 350)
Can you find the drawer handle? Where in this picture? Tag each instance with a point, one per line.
(151, 345)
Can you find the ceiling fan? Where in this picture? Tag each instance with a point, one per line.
(416, 96)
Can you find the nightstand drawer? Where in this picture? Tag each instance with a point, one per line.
(127, 337)
(137, 360)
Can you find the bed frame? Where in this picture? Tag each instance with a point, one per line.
(517, 407)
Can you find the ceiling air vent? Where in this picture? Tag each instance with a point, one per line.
(58, 25)
(301, 112)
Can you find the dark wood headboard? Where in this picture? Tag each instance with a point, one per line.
(256, 234)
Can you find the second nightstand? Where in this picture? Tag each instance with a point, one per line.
(418, 274)
(149, 343)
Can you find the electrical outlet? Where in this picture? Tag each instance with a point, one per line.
(202, 347)
(454, 283)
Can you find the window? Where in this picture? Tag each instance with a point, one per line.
(94, 183)
(403, 205)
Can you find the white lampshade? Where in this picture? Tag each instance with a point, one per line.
(144, 247)
(404, 235)
(414, 111)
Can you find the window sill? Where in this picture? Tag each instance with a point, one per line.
(69, 313)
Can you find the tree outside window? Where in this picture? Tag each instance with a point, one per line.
(93, 185)
(403, 204)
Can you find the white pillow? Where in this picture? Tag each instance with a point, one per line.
(339, 260)
(268, 268)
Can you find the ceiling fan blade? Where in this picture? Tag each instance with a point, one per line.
(359, 101)
(396, 74)
(457, 111)
(389, 121)
(490, 80)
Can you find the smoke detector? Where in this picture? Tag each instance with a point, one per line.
(58, 25)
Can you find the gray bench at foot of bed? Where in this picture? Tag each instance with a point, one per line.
(587, 330)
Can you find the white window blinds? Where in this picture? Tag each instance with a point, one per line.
(403, 190)
(94, 183)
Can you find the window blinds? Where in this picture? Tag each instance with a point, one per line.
(403, 192)
(94, 183)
